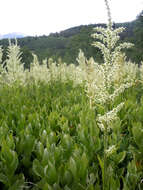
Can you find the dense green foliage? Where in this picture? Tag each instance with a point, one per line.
(66, 44)
(50, 140)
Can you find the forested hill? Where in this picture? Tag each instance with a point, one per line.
(66, 44)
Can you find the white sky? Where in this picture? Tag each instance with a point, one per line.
(38, 17)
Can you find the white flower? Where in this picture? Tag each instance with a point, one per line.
(14, 69)
(112, 149)
(109, 117)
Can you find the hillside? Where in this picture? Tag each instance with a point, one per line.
(66, 44)
(12, 35)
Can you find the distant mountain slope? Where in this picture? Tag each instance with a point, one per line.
(12, 35)
(66, 44)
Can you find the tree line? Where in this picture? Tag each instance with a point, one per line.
(66, 44)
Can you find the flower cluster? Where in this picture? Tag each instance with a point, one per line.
(108, 38)
(107, 119)
(141, 72)
(1, 53)
(112, 149)
(98, 78)
(1, 64)
(115, 73)
(13, 70)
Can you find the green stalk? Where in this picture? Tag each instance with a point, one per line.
(105, 158)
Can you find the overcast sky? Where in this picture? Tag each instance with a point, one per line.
(38, 17)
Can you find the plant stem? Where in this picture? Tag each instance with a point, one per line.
(105, 158)
(108, 13)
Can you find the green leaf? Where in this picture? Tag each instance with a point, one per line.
(10, 141)
(39, 150)
(19, 183)
(43, 136)
(97, 144)
(47, 187)
(101, 163)
(97, 187)
(56, 187)
(3, 178)
(6, 154)
(37, 168)
(73, 167)
(66, 188)
(121, 156)
(45, 157)
(52, 138)
(91, 179)
(9, 159)
(118, 158)
(13, 165)
(137, 131)
(114, 184)
(29, 143)
(67, 178)
(51, 173)
(83, 166)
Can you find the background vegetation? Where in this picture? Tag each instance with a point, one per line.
(66, 44)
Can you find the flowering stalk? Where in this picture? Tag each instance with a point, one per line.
(108, 13)
(107, 43)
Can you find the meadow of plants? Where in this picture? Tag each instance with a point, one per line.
(67, 127)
